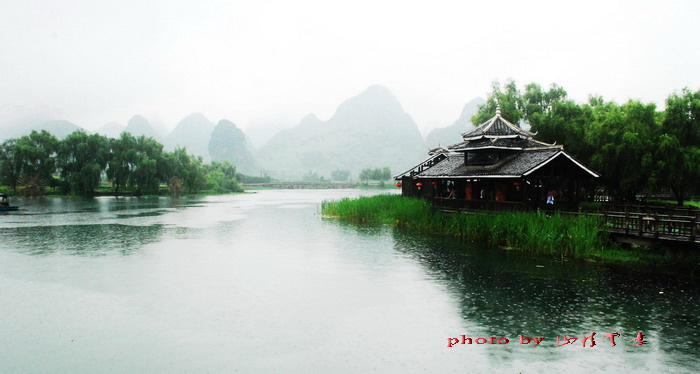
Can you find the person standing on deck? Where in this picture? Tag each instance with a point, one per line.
(551, 194)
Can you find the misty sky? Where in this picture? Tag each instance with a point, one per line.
(262, 62)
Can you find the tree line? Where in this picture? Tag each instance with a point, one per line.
(638, 149)
(80, 162)
(376, 174)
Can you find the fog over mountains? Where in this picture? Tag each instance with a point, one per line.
(138, 126)
(367, 131)
(451, 134)
(111, 129)
(16, 121)
(228, 143)
(192, 132)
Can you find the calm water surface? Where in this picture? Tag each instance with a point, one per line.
(262, 283)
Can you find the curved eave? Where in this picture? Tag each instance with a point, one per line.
(486, 136)
(525, 174)
(484, 127)
(399, 176)
(438, 150)
(548, 146)
(488, 147)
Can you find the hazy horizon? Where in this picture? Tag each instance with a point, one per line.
(270, 63)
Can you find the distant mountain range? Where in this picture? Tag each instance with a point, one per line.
(369, 130)
(192, 132)
(138, 126)
(59, 128)
(451, 134)
(228, 143)
(111, 129)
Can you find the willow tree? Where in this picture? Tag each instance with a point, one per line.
(145, 178)
(10, 164)
(81, 160)
(122, 161)
(187, 169)
(679, 145)
(38, 154)
(624, 139)
(507, 97)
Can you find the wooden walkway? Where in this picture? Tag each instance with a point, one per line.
(628, 223)
(667, 228)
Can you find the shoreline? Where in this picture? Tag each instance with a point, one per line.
(577, 238)
(132, 195)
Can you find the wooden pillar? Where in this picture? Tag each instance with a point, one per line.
(656, 225)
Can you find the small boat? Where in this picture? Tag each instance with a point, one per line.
(5, 203)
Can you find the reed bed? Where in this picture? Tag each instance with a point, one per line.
(579, 237)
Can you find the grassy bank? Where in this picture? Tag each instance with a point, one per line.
(579, 237)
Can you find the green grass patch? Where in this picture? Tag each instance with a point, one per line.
(216, 193)
(672, 202)
(590, 205)
(580, 237)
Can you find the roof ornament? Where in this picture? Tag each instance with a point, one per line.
(498, 109)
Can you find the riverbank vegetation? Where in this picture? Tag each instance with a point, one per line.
(579, 237)
(638, 150)
(79, 164)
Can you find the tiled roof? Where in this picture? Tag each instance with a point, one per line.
(496, 126)
(514, 165)
(496, 137)
(514, 143)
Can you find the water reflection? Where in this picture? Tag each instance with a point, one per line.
(509, 293)
(261, 283)
(83, 240)
(52, 205)
(93, 226)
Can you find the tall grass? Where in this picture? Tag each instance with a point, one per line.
(570, 236)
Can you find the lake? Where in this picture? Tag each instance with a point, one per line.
(263, 283)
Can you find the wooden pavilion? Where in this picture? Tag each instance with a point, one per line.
(498, 165)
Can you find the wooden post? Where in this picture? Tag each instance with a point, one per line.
(656, 225)
(605, 219)
(627, 220)
(692, 230)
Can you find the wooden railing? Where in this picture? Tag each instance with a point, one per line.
(651, 209)
(656, 226)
